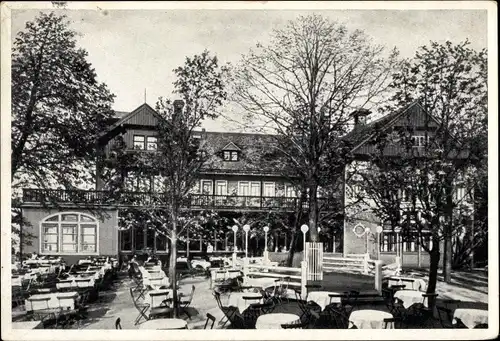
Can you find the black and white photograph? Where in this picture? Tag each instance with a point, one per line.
(188, 170)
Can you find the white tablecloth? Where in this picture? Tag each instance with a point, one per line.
(76, 282)
(156, 300)
(471, 317)
(263, 283)
(322, 298)
(274, 321)
(159, 324)
(418, 284)
(410, 297)
(370, 319)
(236, 299)
(65, 300)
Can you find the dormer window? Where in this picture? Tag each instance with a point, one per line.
(230, 155)
(231, 152)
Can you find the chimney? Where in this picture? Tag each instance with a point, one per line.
(178, 105)
(360, 116)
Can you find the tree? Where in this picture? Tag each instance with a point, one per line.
(58, 108)
(434, 175)
(180, 156)
(303, 86)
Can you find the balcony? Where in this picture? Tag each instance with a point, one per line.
(42, 197)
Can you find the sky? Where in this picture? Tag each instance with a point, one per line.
(134, 51)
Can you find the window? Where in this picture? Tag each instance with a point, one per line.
(126, 240)
(138, 141)
(419, 140)
(152, 143)
(255, 189)
(409, 243)
(69, 233)
(230, 155)
(221, 187)
(243, 187)
(290, 191)
(246, 188)
(206, 187)
(269, 189)
(158, 183)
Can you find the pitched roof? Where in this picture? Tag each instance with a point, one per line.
(255, 149)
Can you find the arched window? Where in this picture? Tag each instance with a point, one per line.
(69, 233)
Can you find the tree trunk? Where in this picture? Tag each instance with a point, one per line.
(313, 213)
(433, 269)
(295, 231)
(173, 262)
(447, 233)
(291, 250)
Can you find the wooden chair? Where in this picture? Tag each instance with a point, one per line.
(185, 301)
(445, 317)
(118, 324)
(141, 308)
(397, 321)
(210, 317)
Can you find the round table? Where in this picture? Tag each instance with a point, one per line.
(236, 299)
(322, 298)
(274, 321)
(259, 282)
(159, 324)
(471, 317)
(370, 319)
(409, 297)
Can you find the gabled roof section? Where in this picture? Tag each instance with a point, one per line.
(231, 146)
(134, 117)
(365, 133)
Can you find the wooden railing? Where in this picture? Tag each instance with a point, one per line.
(192, 201)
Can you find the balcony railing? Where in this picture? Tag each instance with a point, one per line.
(192, 201)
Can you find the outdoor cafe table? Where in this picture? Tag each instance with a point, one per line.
(411, 283)
(75, 282)
(470, 317)
(160, 324)
(236, 299)
(409, 297)
(322, 298)
(263, 282)
(370, 319)
(274, 320)
(65, 300)
(222, 274)
(157, 296)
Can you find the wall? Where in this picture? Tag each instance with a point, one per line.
(108, 232)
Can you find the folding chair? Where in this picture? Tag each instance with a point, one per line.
(395, 320)
(336, 318)
(185, 301)
(141, 308)
(210, 317)
(445, 316)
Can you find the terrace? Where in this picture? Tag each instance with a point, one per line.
(39, 197)
(107, 297)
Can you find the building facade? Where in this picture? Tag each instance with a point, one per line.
(234, 180)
